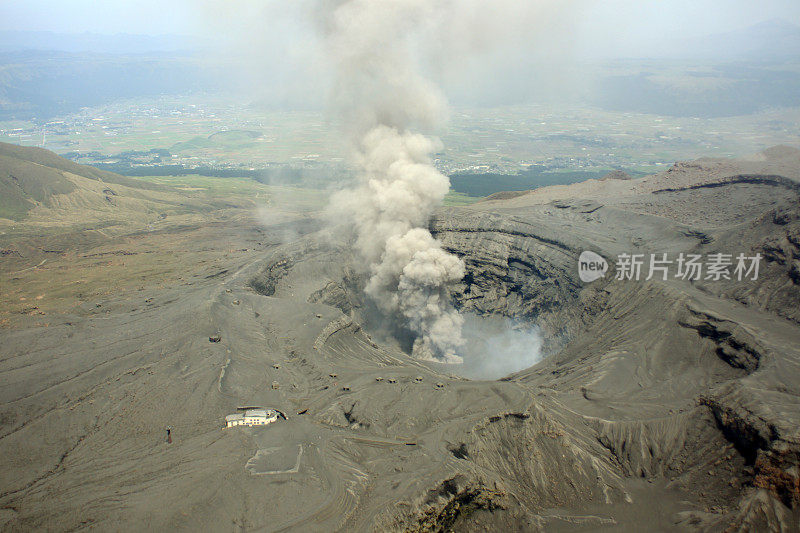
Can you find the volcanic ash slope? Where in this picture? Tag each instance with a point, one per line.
(669, 405)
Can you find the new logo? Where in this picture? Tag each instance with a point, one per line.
(591, 266)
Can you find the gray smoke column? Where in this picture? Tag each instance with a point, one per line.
(386, 102)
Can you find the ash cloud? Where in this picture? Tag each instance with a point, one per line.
(377, 52)
(384, 101)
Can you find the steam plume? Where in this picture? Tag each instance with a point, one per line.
(385, 101)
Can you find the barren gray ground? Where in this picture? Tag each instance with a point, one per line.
(663, 405)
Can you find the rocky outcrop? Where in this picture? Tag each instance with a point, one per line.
(451, 503)
(617, 175)
(733, 345)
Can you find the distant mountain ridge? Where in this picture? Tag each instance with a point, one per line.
(774, 39)
(41, 84)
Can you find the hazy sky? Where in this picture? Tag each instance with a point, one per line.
(496, 47)
(607, 20)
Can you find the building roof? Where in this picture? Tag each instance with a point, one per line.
(249, 414)
(259, 413)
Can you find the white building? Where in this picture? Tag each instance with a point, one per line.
(252, 417)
